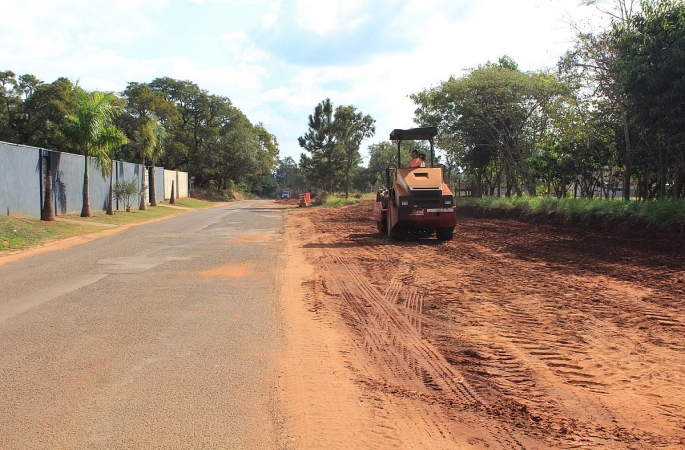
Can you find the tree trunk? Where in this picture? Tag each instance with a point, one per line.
(563, 185)
(628, 160)
(110, 207)
(676, 181)
(48, 213)
(645, 184)
(153, 195)
(143, 206)
(499, 184)
(85, 209)
(347, 180)
(549, 184)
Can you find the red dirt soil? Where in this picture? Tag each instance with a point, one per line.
(512, 336)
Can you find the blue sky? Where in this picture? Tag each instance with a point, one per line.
(276, 59)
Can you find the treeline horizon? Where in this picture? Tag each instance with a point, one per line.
(204, 134)
(608, 122)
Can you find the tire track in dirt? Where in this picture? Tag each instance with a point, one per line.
(322, 407)
(558, 332)
(565, 339)
(421, 366)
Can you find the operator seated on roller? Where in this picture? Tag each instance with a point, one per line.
(415, 160)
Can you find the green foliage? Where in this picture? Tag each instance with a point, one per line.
(360, 180)
(650, 61)
(325, 200)
(325, 165)
(46, 109)
(332, 142)
(91, 130)
(658, 213)
(212, 139)
(92, 133)
(321, 199)
(287, 174)
(351, 128)
(15, 234)
(495, 110)
(10, 95)
(125, 191)
(192, 130)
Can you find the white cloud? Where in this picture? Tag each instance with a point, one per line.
(271, 17)
(380, 86)
(331, 15)
(242, 48)
(34, 30)
(99, 42)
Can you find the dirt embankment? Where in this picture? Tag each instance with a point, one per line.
(513, 335)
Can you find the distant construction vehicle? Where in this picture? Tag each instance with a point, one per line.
(417, 203)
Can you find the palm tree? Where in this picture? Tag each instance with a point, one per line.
(147, 141)
(93, 133)
(156, 153)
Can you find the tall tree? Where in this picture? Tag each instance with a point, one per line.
(327, 159)
(496, 106)
(592, 65)
(92, 133)
(286, 173)
(10, 96)
(161, 137)
(651, 61)
(213, 140)
(352, 127)
(45, 111)
(146, 140)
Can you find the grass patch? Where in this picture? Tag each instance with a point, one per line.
(223, 195)
(338, 202)
(325, 200)
(23, 233)
(658, 213)
(191, 203)
(136, 215)
(20, 233)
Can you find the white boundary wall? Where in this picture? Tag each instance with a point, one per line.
(180, 180)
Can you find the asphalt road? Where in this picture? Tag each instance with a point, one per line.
(160, 336)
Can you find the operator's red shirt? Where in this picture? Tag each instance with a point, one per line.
(417, 162)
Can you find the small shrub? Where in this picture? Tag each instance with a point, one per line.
(320, 199)
(125, 191)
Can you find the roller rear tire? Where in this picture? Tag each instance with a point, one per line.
(444, 234)
(382, 226)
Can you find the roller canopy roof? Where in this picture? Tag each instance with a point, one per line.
(413, 134)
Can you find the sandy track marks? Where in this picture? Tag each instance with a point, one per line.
(543, 339)
(408, 361)
(322, 404)
(585, 339)
(566, 338)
